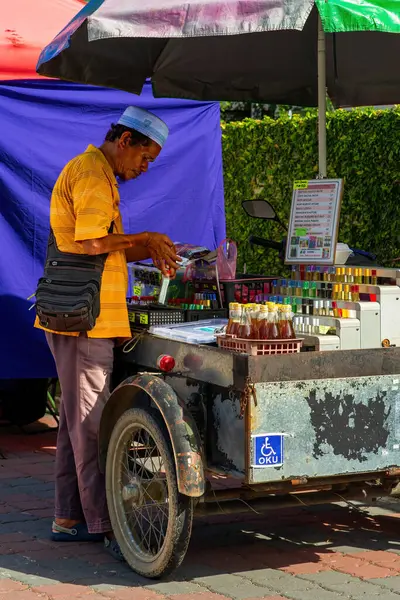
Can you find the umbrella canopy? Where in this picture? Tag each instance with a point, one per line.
(346, 15)
(20, 42)
(259, 50)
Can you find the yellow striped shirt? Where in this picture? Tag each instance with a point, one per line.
(84, 202)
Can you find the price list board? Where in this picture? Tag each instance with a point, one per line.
(314, 222)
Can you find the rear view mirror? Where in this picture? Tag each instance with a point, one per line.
(260, 209)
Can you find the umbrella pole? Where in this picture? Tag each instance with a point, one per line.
(321, 100)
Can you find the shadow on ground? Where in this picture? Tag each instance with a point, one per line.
(306, 540)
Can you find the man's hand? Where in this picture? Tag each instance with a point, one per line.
(163, 253)
(166, 270)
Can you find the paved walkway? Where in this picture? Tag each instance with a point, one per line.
(328, 553)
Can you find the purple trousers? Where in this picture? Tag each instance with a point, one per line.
(84, 367)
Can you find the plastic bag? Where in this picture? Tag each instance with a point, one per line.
(226, 260)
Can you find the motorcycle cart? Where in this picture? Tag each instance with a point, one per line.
(198, 430)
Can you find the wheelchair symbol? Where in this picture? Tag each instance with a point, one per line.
(268, 455)
(267, 452)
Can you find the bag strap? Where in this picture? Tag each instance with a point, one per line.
(52, 239)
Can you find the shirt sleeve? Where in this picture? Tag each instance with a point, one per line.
(93, 204)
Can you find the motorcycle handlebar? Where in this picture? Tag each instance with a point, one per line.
(257, 241)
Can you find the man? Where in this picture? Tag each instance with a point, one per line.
(84, 204)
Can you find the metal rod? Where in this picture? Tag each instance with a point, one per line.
(321, 100)
(258, 490)
(289, 501)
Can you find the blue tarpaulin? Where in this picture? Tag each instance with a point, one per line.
(45, 124)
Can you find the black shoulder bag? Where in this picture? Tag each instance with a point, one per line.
(68, 295)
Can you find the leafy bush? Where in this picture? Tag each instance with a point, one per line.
(263, 158)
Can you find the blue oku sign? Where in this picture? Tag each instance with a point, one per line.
(268, 450)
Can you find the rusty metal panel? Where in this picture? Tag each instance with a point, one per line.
(324, 365)
(327, 427)
(228, 434)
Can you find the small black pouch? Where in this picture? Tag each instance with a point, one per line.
(68, 295)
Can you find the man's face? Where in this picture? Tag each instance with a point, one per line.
(132, 161)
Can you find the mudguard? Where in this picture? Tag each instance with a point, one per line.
(141, 391)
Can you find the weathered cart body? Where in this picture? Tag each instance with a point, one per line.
(244, 433)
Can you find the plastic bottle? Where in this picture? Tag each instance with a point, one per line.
(273, 324)
(307, 325)
(313, 290)
(315, 327)
(298, 325)
(263, 323)
(234, 318)
(328, 308)
(286, 329)
(350, 275)
(244, 331)
(255, 310)
(299, 310)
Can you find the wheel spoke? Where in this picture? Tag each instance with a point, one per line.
(147, 518)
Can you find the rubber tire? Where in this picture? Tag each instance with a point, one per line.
(181, 507)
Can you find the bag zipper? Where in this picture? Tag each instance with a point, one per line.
(47, 281)
(75, 265)
(84, 302)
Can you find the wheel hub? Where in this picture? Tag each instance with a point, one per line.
(131, 492)
(139, 493)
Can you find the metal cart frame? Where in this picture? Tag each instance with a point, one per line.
(330, 422)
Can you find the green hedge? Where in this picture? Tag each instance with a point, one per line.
(263, 158)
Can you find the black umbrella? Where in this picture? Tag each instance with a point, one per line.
(258, 50)
(209, 62)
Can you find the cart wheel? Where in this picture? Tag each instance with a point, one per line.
(151, 520)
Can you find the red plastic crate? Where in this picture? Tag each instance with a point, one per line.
(259, 347)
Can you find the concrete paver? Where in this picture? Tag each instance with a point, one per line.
(319, 553)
